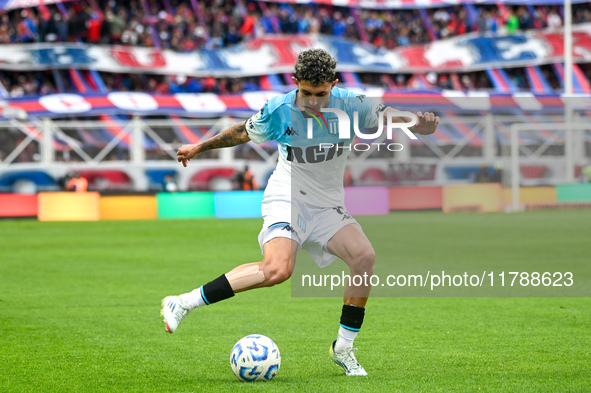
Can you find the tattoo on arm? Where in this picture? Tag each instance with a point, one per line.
(235, 135)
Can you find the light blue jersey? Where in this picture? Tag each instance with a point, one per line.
(311, 167)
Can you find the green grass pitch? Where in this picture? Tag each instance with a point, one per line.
(80, 302)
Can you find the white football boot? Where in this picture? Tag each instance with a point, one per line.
(347, 361)
(173, 313)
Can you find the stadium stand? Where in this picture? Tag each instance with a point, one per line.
(211, 26)
(186, 26)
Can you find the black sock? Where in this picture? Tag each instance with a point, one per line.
(352, 317)
(217, 290)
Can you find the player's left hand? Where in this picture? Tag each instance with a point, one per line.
(427, 123)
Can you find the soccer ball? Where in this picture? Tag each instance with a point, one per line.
(255, 358)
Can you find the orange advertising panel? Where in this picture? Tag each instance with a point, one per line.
(69, 206)
(412, 198)
(472, 197)
(128, 208)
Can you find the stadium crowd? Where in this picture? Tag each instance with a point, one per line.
(176, 25)
(19, 84)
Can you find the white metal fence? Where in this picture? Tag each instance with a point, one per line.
(136, 145)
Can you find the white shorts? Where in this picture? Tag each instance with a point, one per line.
(312, 227)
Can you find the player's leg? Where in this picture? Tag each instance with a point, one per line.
(352, 246)
(276, 267)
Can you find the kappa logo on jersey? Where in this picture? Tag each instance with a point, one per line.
(361, 97)
(288, 228)
(379, 109)
(314, 154)
(290, 131)
(341, 210)
(250, 124)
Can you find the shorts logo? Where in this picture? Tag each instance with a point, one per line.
(341, 210)
(302, 223)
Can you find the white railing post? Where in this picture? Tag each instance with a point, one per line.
(568, 48)
(569, 150)
(403, 155)
(515, 168)
(47, 149)
(226, 154)
(579, 141)
(137, 145)
(489, 148)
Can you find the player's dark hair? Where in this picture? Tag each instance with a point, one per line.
(316, 66)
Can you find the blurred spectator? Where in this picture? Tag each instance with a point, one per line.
(27, 28)
(441, 16)
(581, 14)
(182, 84)
(586, 174)
(116, 26)
(512, 24)
(524, 18)
(400, 81)
(431, 78)
(497, 173)
(287, 21)
(445, 82)
(348, 178)
(249, 183)
(554, 20)
(483, 176)
(458, 24)
(76, 183)
(169, 184)
(487, 22)
(467, 83)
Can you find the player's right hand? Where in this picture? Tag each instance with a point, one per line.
(185, 153)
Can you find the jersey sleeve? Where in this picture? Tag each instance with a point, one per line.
(260, 126)
(368, 109)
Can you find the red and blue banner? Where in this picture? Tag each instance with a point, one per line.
(277, 54)
(245, 104)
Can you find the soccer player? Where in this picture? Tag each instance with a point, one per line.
(303, 205)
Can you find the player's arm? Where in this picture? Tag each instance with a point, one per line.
(233, 136)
